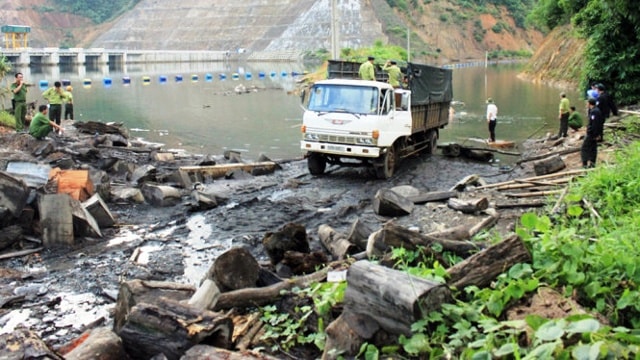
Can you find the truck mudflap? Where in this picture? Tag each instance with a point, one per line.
(341, 149)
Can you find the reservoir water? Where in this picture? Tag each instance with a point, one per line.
(195, 107)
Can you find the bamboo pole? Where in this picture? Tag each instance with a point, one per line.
(548, 176)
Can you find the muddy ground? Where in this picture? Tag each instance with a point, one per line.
(69, 290)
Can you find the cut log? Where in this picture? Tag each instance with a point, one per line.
(138, 291)
(93, 127)
(170, 328)
(346, 334)
(358, 234)
(200, 173)
(13, 193)
(96, 344)
(433, 196)
(99, 210)
(259, 296)
(394, 299)
(25, 344)
(20, 253)
(206, 296)
(468, 206)
(234, 269)
(392, 235)
(56, 219)
(76, 183)
(304, 263)
(201, 352)
(291, 237)
(389, 203)
(472, 179)
(464, 232)
(545, 155)
(9, 236)
(161, 195)
(83, 223)
(548, 165)
(336, 243)
(482, 268)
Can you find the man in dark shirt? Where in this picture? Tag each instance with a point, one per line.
(595, 128)
(605, 103)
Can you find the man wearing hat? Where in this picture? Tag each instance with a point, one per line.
(394, 72)
(367, 70)
(68, 106)
(563, 115)
(605, 103)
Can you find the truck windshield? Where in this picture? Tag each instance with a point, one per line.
(344, 98)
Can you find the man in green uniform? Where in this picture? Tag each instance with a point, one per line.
(68, 107)
(40, 125)
(563, 115)
(575, 120)
(394, 72)
(367, 70)
(19, 90)
(55, 96)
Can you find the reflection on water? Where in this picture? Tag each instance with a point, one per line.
(195, 106)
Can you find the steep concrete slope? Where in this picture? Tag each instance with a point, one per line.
(256, 25)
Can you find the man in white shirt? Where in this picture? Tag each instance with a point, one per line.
(492, 116)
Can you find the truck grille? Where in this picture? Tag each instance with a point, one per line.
(338, 139)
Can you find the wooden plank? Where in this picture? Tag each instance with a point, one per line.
(56, 217)
(218, 171)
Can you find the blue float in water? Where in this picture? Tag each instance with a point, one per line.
(162, 79)
(208, 77)
(235, 76)
(107, 81)
(86, 82)
(295, 73)
(146, 80)
(272, 74)
(66, 82)
(222, 76)
(248, 76)
(194, 77)
(178, 78)
(261, 75)
(126, 80)
(283, 74)
(44, 83)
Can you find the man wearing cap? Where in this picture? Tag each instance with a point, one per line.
(605, 103)
(19, 90)
(68, 106)
(492, 119)
(394, 72)
(595, 128)
(367, 70)
(563, 115)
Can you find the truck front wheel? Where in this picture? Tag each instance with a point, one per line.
(387, 164)
(316, 164)
(432, 136)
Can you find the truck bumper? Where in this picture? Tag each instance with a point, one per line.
(341, 149)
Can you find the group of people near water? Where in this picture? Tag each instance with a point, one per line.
(599, 107)
(48, 117)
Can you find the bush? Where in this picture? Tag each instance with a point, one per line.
(6, 119)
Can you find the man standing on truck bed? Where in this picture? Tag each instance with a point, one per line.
(394, 72)
(367, 70)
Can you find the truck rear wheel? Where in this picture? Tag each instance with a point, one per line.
(316, 164)
(387, 165)
(432, 137)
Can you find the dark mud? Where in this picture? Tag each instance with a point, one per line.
(70, 290)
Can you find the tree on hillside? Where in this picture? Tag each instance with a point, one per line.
(97, 10)
(611, 29)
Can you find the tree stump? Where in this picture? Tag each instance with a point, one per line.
(97, 344)
(394, 299)
(291, 237)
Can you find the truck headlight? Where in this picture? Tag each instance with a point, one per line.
(311, 137)
(364, 141)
